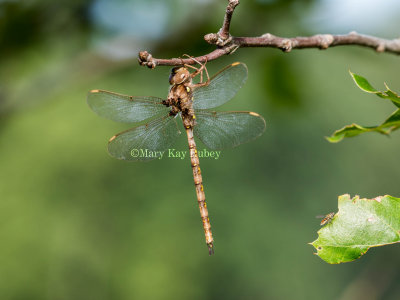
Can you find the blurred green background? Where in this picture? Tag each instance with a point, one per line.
(78, 224)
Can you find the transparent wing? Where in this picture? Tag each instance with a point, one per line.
(123, 108)
(143, 143)
(222, 87)
(221, 130)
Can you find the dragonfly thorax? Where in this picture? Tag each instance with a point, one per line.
(180, 97)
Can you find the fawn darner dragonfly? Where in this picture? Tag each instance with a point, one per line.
(190, 101)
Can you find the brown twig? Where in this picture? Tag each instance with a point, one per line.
(226, 44)
(224, 31)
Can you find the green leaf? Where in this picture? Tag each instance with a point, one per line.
(392, 122)
(359, 225)
(392, 96)
(363, 83)
(354, 130)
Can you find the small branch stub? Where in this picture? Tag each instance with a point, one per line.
(211, 38)
(286, 45)
(326, 40)
(146, 59)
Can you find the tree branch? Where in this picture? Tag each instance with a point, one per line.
(321, 41)
(226, 44)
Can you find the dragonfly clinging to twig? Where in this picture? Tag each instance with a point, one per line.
(189, 101)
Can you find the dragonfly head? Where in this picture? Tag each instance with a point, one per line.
(178, 75)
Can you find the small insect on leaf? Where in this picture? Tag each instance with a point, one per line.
(327, 218)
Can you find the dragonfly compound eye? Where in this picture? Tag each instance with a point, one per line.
(178, 75)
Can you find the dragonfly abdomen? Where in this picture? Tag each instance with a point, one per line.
(198, 182)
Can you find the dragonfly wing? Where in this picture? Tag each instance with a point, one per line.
(123, 108)
(221, 130)
(221, 88)
(143, 143)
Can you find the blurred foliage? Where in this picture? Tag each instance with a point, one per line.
(281, 82)
(24, 23)
(77, 224)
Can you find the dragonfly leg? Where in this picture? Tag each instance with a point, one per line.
(198, 70)
(205, 69)
(201, 69)
(190, 66)
(194, 74)
(195, 60)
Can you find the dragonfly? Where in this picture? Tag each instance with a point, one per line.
(190, 102)
(326, 219)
